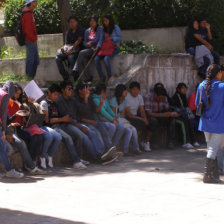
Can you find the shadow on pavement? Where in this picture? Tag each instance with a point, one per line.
(158, 161)
(18, 217)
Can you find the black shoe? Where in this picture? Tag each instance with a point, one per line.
(75, 75)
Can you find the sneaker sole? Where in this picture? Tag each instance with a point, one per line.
(109, 153)
(110, 161)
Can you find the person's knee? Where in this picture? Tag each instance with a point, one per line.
(97, 59)
(107, 60)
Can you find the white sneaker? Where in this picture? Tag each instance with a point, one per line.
(85, 162)
(50, 162)
(146, 146)
(196, 144)
(14, 174)
(37, 171)
(43, 163)
(79, 166)
(187, 146)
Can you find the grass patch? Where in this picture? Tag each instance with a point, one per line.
(11, 76)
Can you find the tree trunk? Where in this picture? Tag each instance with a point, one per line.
(65, 10)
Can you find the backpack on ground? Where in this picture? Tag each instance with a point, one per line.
(20, 37)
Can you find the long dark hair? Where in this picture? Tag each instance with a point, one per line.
(119, 91)
(96, 20)
(212, 71)
(18, 87)
(180, 85)
(111, 24)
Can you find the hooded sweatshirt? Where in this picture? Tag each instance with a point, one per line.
(10, 90)
(29, 26)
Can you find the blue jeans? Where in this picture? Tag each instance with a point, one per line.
(22, 147)
(130, 134)
(32, 59)
(60, 58)
(68, 142)
(116, 133)
(3, 155)
(213, 144)
(94, 142)
(216, 57)
(52, 141)
(107, 63)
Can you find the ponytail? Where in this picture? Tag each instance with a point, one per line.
(212, 71)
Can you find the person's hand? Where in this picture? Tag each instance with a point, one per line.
(22, 113)
(84, 129)
(3, 136)
(175, 114)
(207, 26)
(69, 51)
(96, 49)
(31, 100)
(88, 44)
(108, 39)
(67, 119)
(167, 114)
(9, 138)
(15, 124)
(102, 99)
(63, 49)
(92, 122)
(146, 122)
(209, 46)
(115, 122)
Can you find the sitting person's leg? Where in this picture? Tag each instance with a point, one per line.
(47, 141)
(127, 139)
(216, 57)
(191, 51)
(35, 143)
(135, 140)
(71, 149)
(56, 140)
(22, 147)
(59, 61)
(99, 68)
(107, 60)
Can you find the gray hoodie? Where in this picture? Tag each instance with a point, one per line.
(10, 89)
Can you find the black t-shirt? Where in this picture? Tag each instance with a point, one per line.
(190, 40)
(85, 110)
(204, 33)
(72, 37)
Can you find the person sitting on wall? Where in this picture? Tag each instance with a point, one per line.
(110, 47)
(204, 36)
(158, 110)
(72, 47)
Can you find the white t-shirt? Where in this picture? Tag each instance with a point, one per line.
(134, 103)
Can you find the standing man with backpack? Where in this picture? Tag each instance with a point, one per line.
(30, 35)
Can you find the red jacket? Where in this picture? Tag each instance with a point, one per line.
(29, 26)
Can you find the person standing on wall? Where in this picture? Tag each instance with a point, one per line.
(30, 33)
(210, 94)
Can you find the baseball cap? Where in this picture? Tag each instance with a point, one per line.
(29, 1)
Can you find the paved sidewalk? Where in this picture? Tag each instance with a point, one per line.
(158, 187)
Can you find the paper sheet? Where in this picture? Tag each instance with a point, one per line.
(33, 91)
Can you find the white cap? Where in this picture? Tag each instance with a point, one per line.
(29, 1)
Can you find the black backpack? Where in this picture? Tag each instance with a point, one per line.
(20, 37)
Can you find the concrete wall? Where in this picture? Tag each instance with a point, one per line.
(147, 69)
(166, 40)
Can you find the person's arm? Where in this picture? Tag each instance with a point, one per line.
(130, 115)
(204, 42)
(86, 36)
(117, 37)
(208, 27)
(4, 111)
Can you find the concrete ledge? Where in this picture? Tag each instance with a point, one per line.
(61, 157)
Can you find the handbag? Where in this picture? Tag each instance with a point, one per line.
(107, 48)
(200, 107)
(187, 112)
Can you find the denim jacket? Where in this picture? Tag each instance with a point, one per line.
(97, 41)
(116, 35)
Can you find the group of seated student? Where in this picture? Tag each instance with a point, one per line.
(91, 124)
(81, 46)
(197, 43)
